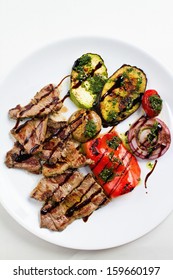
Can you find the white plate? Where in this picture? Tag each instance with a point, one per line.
(127, 217)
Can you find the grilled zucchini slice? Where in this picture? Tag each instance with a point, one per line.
(121, 95)
(88, 77)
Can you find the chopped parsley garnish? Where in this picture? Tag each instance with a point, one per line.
(150, 165)
(139, 82)
(80, 62)
(149, 150)
(129, 69)
(96, 83)
(114, 101)
(154, 132)
(155, 102)
(114, 142)
(125, 75)
(106, 174)
(79, 66)
(90, 129)
(112, 115)
(111, 155)
(115, 159)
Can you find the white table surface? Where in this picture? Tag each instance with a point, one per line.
(27, 25)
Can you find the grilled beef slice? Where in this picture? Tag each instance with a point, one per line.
(31, 134)
(60, 152)
(55, 144)
(47, 187)
(62, 190)
(18, 158)
(54, 127)
(53, 156)
(79, 203)
(71, 158)
(44, 102)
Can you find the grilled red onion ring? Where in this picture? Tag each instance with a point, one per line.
(149, 138)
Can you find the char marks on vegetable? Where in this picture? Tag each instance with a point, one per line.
(57, 149)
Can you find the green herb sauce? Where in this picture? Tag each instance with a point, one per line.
(139, 82)
(153, 132)
(79, 66)
(129, 70)
(90, 129)
(106, 174)
(96, 83)
(114, 101)
(152, 136)
(112, 115)
(82, 61)
(114, 142)
(114, 159)
(125, 75)
(150, 165)
(155, 103)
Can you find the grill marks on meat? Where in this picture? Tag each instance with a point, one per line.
(80, 202)
(31, 134)
(52, 144)
(44, 102)
(18, 158)
(53, 128)
(46, 146)
(55, 152)
(62, 191)
(39, 135)
(47, 186)
(55, 144)
(68, 197)
(69, 157)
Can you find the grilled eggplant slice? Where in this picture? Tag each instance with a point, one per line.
(121, 94)
(88, 77)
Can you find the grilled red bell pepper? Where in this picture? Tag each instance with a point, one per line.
(115, 168)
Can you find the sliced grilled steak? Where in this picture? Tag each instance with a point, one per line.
(44, 102)
(55, 144)
(47, 186)
(18, 158)
(71, 157)
(50, 150)
(62, 190)
(62, 129)
(49, 170)
(54, 127)
(31, 134)
(55, 154)
(94, 199)
(79, 203)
